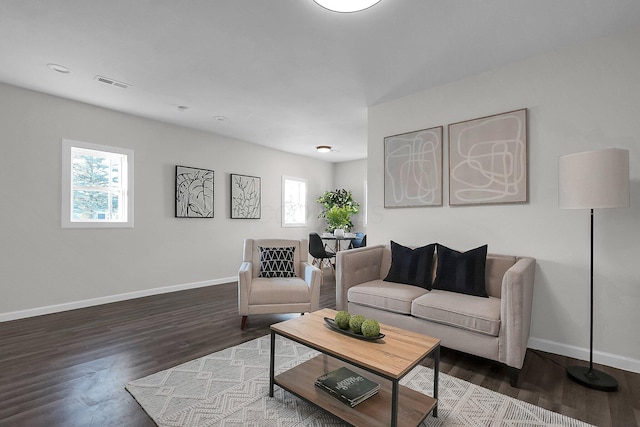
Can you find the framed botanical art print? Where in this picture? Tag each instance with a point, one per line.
(245, 197)
(488, 160)
(413, 169)
(194, 192)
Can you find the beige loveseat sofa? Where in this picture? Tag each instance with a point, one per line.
(495, 328)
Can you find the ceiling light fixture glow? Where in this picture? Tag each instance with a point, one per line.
(59, 68)
(346, 5)
(323, 148)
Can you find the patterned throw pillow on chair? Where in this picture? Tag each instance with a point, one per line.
(277, 261)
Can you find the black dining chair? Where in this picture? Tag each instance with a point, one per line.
(319, 252)
(359, 242)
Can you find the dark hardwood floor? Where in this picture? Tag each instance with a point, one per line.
(70, 369)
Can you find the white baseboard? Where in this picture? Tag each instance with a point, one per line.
(39, 311)
(580, 353)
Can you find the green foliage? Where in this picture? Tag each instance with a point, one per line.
(355, 323)
(338, 218)
(342, 319)
(340, 198)
(338, 208)
(370, 328)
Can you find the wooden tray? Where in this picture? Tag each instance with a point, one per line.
(332, 324)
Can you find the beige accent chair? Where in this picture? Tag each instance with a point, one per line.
(260, 295)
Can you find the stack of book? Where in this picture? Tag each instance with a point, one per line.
(347, 386)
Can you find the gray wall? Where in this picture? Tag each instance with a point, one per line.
(352, 176)
(580, 99)
(45, 268)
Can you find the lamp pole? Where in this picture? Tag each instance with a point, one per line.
(590, 377)
(591, 304)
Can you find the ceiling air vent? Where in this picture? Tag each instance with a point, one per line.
(112, 82)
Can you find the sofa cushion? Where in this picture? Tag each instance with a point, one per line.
(462, 272)
(277, 261)
(281, 290)
(411, 266)
(463, 311)
(386, 296)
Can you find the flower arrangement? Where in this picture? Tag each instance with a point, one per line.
(338, 217)
(338, 208)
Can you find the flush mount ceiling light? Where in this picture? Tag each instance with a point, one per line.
(346, 5)
(323, 148)
(59, 68)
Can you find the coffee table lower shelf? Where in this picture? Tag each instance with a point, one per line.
(413, 407)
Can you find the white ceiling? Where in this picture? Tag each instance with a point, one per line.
(286, 74)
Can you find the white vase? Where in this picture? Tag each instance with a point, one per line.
(338, 232)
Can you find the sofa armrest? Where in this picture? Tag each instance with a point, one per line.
(310, 273)
(356, 266)
(244, 286)
(515, 311)
(313, 276)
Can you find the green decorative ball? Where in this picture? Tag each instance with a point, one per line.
(342, 319)
(355, 323)
(370, 328)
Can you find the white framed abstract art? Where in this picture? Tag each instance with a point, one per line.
(194, 192)
(488, 160)
(245, 197)
(413, 169)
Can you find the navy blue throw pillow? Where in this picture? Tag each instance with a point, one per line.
(411, 266)
(462, 272)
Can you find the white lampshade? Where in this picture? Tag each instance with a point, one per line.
(346, 5)
(594, 179)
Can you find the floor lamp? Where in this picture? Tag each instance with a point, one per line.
(593, 180)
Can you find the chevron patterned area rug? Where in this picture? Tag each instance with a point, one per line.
(230, 388)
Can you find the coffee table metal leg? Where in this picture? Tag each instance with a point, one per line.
(436, 374)
(272, 359)
(394, 403)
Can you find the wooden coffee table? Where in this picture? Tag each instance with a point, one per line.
(385, 361)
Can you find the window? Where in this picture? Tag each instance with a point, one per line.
(294, 202)
(97, 186)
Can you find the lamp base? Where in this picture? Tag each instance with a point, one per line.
(592, 378)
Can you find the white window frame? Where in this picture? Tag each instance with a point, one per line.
(66, 204)
(286, 223)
